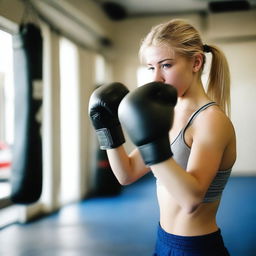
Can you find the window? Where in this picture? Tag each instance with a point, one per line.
(6, 111)
(69, 122)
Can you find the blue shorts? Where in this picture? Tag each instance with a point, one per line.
(205, 245)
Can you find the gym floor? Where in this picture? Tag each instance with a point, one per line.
(125, 225)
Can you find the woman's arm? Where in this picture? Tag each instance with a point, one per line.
(212, 133)
(127, 168)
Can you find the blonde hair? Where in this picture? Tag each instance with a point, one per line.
(185, 40)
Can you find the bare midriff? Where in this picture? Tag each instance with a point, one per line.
(175, 220)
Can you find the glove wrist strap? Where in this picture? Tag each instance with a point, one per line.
(156, 151)
(110, 137)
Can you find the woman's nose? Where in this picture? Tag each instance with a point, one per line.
(158, 77)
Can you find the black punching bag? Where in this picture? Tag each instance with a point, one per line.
(106, 182)
(26, 176)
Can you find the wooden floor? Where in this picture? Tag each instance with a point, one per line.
(125, 225)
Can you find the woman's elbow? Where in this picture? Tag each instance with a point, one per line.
(191, 205)
(191, 208)
(125, 181)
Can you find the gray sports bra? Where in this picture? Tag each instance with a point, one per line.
(181, 152)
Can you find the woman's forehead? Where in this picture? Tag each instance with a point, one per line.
(154, 53)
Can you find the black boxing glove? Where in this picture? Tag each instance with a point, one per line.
(103, 107)
(147, 115)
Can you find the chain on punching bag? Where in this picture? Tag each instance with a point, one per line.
(26, 177)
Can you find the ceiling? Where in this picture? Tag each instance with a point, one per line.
(120, 9)
(67, 16)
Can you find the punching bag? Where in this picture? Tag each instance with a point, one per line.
(106, 183)
(26, 174)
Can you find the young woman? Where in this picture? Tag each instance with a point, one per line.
(189, 182)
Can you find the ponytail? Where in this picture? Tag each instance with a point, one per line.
(218, 88)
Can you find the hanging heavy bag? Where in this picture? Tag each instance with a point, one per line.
(26, 175)
(106, 183)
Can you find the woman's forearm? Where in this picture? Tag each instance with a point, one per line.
(127, 168)
(182, 185)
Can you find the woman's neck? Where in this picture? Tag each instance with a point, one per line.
(193, 98)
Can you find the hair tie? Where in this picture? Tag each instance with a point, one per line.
(206, 48)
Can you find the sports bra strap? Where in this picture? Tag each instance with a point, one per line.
(195, 114)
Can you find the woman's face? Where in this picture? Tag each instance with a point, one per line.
(166, 66)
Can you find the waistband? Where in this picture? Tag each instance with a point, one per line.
(213, 240)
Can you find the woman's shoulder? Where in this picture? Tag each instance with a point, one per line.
(215, 115)
(214, 122)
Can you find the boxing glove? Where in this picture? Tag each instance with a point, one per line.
(147, 115)
(103, 107)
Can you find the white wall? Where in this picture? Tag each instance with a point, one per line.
(235, 33)
(242, 57)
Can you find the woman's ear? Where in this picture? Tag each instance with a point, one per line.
(198, 62)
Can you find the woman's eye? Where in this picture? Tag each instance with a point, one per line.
(165, 66)
(151, 68)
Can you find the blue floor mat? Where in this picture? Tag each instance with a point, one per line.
(126, 225)
(237, 216)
